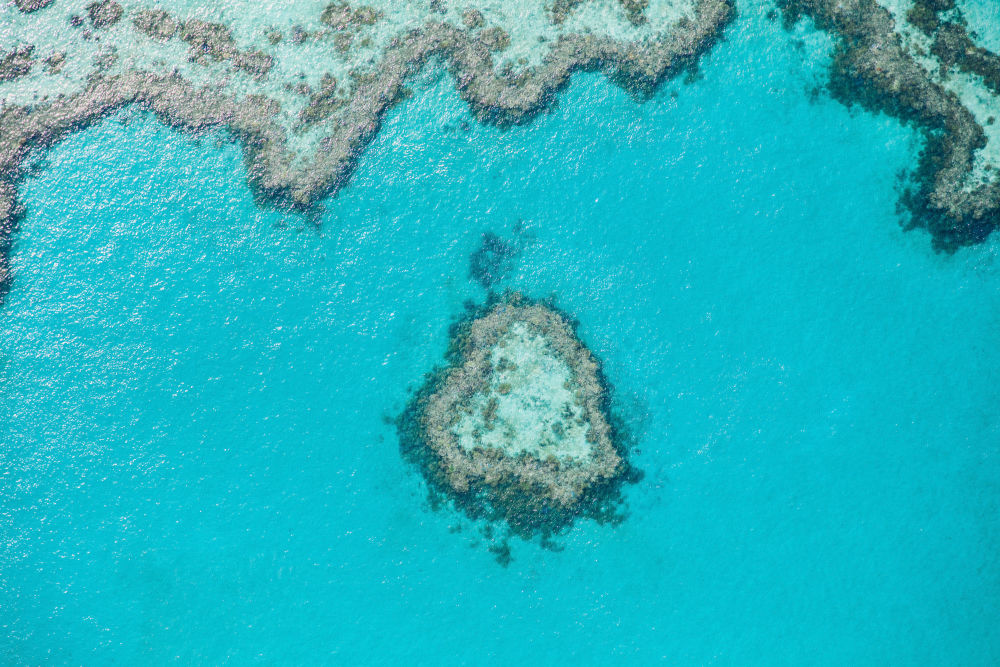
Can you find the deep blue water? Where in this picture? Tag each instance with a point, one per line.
(194, 457)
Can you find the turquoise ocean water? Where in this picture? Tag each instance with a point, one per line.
(197, 468)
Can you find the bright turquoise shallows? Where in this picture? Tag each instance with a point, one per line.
(197, 466)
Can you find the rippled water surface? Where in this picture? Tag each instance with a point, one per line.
(195, 461)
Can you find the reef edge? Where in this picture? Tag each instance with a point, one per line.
(872, 68)
(273, 174)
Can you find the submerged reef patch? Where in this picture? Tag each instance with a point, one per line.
(517, 427)
(915, 59)
(304, 85)
(495, 257)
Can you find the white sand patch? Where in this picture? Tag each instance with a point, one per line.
(530, 406)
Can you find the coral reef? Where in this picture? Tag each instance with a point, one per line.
(105, 13)
(156, 23)
(516, 427)
(306, 107)
(215, 41)
(28, 6)
(916, 61)
(16, 63)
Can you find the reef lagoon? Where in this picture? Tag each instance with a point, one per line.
(767, 259)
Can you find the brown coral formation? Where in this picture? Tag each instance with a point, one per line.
(55, 62)
(323, 102)
(954, 48)
(534, 460)
(215, 41)
(156, 23)
(104, 13)
(872, 67)
(342, 16)
(634, 10)
(28, 6)
(16, 63)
